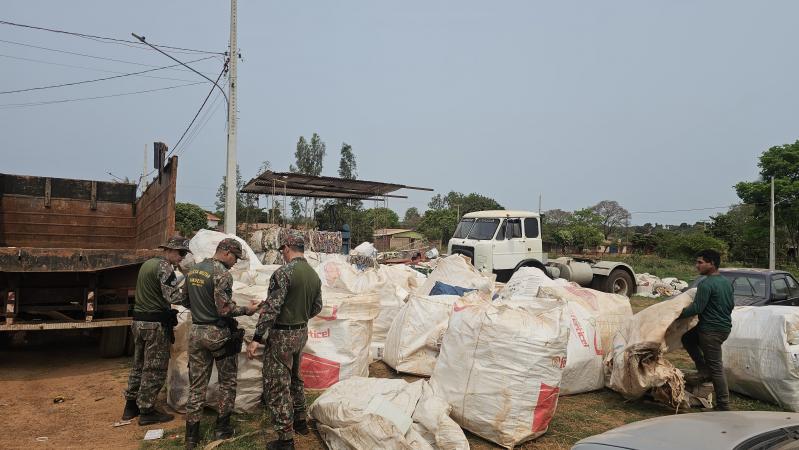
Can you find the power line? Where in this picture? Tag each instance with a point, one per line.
(85, 68)
(224, 69)
(75, 83)
(204, 119)
(51, 102)
(682, 210)
(103, 58)
(105, 39)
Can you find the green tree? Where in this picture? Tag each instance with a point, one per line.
(438, 224)
(247, 210)
(744, 232)
(782, 163)
(585, 227)
(614, 216)
(382, 218)
(463, 203)
(553, 221)
(309, 159)
(189, 218)
(412, 217)
(347, 167)
(686, 245)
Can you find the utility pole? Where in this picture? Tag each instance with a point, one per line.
(772, 254)
(230, 187)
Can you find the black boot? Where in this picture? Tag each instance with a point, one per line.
(131, 410)
(192, 434)
(152, 415)
(223, 428)
(281, 444)
(301, 426)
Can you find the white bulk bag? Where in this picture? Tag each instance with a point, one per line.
(401, 280)
(636, 365)
(362, 413)
(414, 339)
(526, 281)
(761, 355)
(203, 245)
(500, 367)
(456, 271)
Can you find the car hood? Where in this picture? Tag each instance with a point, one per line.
(696, 431)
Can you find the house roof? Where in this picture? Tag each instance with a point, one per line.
(211, 216)
(300, 185)
(390, 231)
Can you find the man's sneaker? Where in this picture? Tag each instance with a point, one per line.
(152, 415)
(131, 410)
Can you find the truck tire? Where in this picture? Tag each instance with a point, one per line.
(620, 282)
(112, 341)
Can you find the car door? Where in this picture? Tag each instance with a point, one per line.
(779, 290)
(793, 289)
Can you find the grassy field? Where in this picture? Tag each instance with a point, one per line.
(577, 416)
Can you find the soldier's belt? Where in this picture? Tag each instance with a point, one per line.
(280, 326)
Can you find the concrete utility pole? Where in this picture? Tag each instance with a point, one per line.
(230, 187)
(772, 253)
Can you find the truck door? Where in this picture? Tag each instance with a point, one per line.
(793, 290)
(509, 244)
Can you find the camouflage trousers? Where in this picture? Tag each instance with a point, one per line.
(150, 362)
(284, 391)
(204, 342)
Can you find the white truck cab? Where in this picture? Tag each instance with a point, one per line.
(502, 241)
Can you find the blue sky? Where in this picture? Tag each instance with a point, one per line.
(657, 105)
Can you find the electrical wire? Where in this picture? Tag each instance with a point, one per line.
(69, 100)
(106, 39)
(102, 58)
(224, 69)
(75, 83)
(87, 68)
(204, 119)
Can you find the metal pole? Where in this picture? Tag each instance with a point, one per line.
(231, 188)
(772, 254)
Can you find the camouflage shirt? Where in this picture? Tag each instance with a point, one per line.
(207, 306)
(280, 288)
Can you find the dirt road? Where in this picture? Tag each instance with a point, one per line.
(69, 369)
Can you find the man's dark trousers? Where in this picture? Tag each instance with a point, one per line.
(704, 347)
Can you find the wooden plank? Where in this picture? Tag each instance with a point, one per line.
(35, 326)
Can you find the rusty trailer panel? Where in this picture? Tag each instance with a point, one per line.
(36, 326)
(27, 259)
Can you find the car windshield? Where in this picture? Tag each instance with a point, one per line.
(483, 229)
(463, 228)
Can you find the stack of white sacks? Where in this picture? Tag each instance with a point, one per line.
(339, 338)
(654, 287)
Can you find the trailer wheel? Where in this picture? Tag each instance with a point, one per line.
(620, 282)
(112, 341)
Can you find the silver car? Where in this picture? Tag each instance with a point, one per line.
(737, 430)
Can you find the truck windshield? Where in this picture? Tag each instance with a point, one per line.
(463, 228)
(483, 229)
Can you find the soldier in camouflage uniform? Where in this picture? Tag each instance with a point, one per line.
(295, 295)
(157, 288)
(214, 336)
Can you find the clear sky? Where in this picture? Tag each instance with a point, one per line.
(657, 105)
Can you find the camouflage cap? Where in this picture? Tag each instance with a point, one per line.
(177, 243)
(292, 238)
(233, 246)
